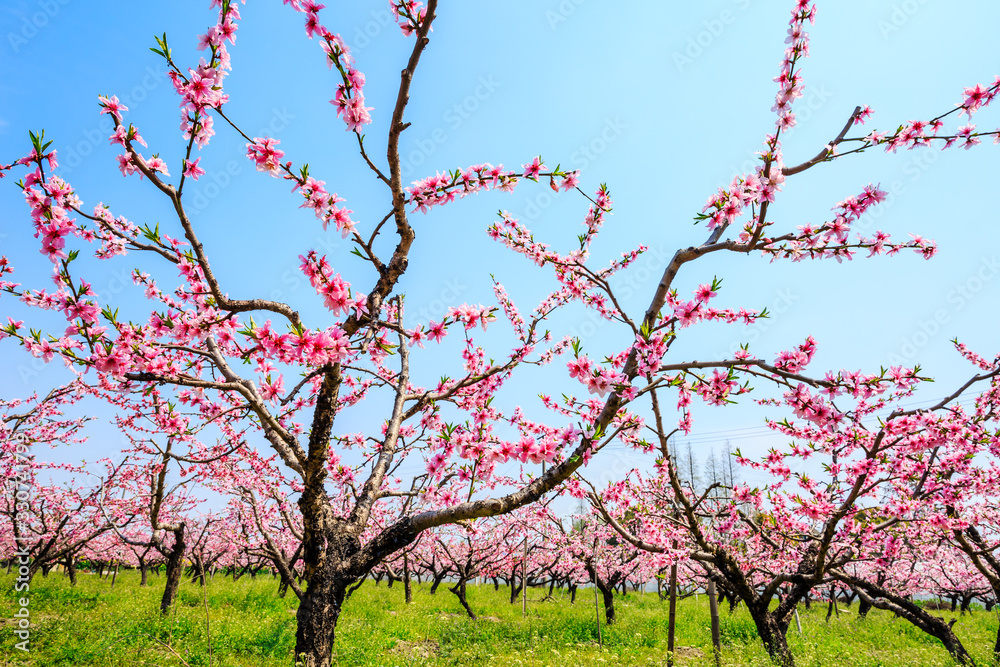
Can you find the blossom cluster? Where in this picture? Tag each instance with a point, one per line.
(726, 205)
(443, 188)
(789, 80)
(350, 98)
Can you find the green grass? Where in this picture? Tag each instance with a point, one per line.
(251, 626)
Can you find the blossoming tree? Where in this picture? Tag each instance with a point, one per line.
(215, 374)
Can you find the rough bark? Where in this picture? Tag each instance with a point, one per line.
(71, 569)
(408, 590)
(772, 632)
(935, 626)
(607, 594)
(317, 617)
(459, 591)
(515, 587)
(438, 578)
(334, 560)
(863, 608)
(175, 569)
(114, 577)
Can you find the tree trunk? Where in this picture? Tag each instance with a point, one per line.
(438, 578)
(672, 617)
(71, 569)
(317, 617)
(608, 593)
(514, 588)
(198, 574)
(175, 570)
(408, 591)
(459, 591)
(332, 559)
(996, 648)
(572, 594)
(713, 610)
(955, 647)
(904, 608)
(772, 634)
(114, 577)
(863, 608)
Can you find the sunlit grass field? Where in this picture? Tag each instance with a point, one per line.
(248, 624)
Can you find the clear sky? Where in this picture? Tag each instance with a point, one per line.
(663, 101)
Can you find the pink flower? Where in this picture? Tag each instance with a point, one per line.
(417, 337)
(112, 106)
(272, 391)
(126, 164)
(570, 181)
(579, 368)
(974, 98)
(533, 168)
(436, 331)
(351, 104)
(599, 384)
(192, 170)
(265, 155)
(704, 293)
(111, 364)
(156, 163)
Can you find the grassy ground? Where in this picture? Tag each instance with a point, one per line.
(251, 626)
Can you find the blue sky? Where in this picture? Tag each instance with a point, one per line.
(664, 103)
